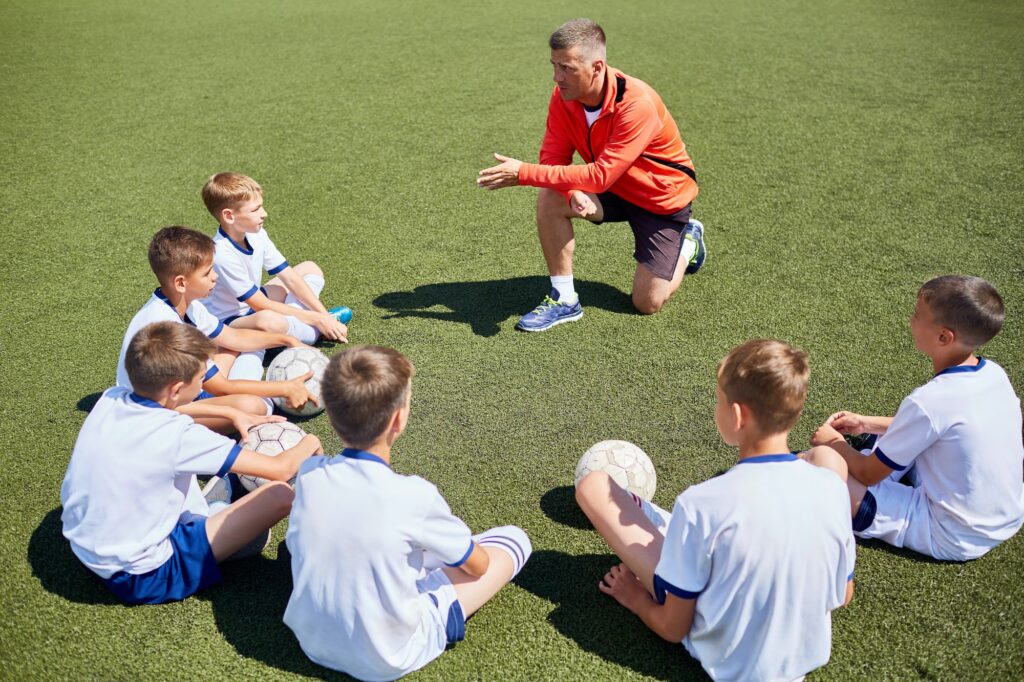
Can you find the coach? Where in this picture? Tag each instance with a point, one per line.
(636, 170)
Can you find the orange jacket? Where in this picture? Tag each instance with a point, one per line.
(633, 149)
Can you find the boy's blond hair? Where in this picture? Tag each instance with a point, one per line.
(229, 190)
(362, 387)
(970, 306)
(770, 378)
(177, 250)
(165, 352)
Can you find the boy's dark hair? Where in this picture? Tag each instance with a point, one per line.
(177, 250)
(770, 378)
(362, 387)
(165, 352)
(970, 306)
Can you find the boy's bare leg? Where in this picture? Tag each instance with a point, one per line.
(225, 360)
(249, 404)
(475, 591)
(277, 291)
(263, 320)
(235, 527)
(630, 534)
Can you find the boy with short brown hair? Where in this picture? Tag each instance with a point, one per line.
(956, 440)
(748, 566)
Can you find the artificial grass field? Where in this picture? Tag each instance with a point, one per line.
(846, 152)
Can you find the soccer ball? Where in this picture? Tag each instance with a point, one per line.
(628, 465)
(292, 363)
(270, 439)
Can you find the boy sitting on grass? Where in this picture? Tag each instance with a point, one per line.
(182, 260)
(955, 440)
(287, 304)
(748, 566)
(132, 507)
(384, 574)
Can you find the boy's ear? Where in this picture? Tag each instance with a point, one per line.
(173, 391)
(947, 336)
(740, 415)
(178, 283)
(227, 215)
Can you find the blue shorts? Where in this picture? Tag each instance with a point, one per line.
(192, 567)
(203, 395)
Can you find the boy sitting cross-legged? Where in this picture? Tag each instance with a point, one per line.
(956, 440)
(182, 260)
(132, 507)
(384, 574)
(748, 566)
(290, 302)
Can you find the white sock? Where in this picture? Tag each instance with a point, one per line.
(563, 284)
(511, 540)
(689, 248)
(248, 366)
(302, 331)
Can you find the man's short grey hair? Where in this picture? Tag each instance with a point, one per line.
(581, 33)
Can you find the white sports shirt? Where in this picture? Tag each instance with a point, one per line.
(240, 271)
(159, 309)
(357, 536)
(132, 477)
(766, 549)
(962, 433)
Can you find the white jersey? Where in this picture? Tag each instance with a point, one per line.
(766, 549)
(240, 271)
(159, 309)
(962, 433)
(132, 477)
(357, 536)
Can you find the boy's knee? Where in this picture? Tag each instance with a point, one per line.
(270, 321)
(252, 404)
(280, 496)
(593, 486)
(308, 267)
(827, 458)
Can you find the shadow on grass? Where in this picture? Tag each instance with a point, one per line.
(559, 505)
(86, 403)
(248, 606)
(58, 569)
(596, 622)
(484, 305)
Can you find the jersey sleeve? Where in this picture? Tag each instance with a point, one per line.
(443, 533)
(273, 261)
(204, 320)
(234, 276)
(203, 452)
(910, 433)
(685, 564)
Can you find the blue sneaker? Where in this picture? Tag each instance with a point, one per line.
(695, 232)
(342, 314)
(550, 313)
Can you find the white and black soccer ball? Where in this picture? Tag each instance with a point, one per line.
(270, 439)
(295, 362)
(628, 465)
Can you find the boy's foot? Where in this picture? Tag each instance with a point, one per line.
(217, 491)
(549, 313)
(342, 314)
(694, 232)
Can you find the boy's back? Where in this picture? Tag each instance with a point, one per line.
(962, 433)
(356, 536)
(768, 549)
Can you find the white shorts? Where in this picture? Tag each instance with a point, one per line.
(902, 518)
(655, 514)
(439, 588)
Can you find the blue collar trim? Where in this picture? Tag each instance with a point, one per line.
(760, 459)
(352, 453)
(247, 252)
(963, 368)
(145, 402)
(159, 294)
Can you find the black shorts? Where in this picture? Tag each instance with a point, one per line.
(657, 239)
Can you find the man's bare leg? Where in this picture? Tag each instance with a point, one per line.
(554, 228)
(651, 292)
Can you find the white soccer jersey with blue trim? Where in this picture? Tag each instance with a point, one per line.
(357, 535)
(240, 272)
(132, 477)
(159, 309)
(962, 433)
(766, 549)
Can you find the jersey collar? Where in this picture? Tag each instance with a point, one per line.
(145, 402)
(762, 459)
(957, 369)
(352, 453)
(159, 294)
(246, 251)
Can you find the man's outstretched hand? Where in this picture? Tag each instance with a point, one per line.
(505, 174)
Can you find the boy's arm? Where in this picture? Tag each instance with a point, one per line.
(867, 469)
(849, 592)
(283, 467)
(240, 420)
(243, 340)
(318, 318)
(478, 562)
(670, 621)
(853, 423)
(294, 391)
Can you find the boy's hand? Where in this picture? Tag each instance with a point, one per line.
(581, 204)
(243, 421)
(848, 422)
(292, 342)
(329, 327)
(296, 392)
(622, 584)
(826, 435)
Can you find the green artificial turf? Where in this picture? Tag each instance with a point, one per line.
(847, 152)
